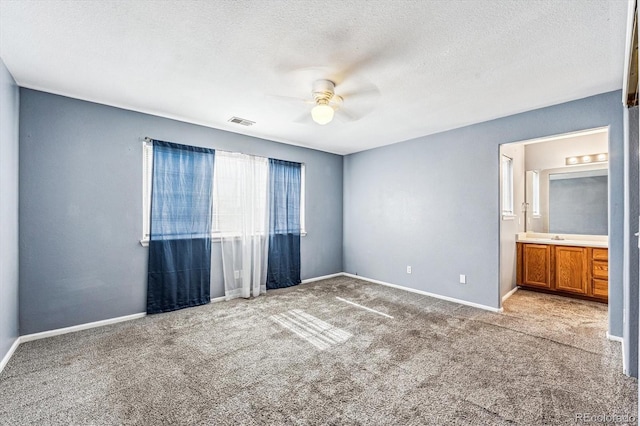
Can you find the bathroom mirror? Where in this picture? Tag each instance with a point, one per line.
(567, 200)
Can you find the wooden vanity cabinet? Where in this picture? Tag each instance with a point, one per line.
(536, 271)
(581, 272)
(600, 273)
(572, 266)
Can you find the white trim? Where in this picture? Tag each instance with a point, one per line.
(615, 338)
(9, 354)
(625, 367)
(509, 294)
(562, 136)
(425, 293)
(324, 277)
(303, 197)
(88, 325)
(79, 327)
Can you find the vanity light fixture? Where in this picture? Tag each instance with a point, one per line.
(587, 159)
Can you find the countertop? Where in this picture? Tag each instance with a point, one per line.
(598, 241)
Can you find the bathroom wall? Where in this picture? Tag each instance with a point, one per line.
(549, 157)
(510, 226)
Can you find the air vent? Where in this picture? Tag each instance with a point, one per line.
(241, 121)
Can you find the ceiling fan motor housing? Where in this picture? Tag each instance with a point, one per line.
(323, 91)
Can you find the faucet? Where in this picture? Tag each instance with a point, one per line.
(557, 238)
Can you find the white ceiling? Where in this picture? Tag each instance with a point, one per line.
(437, 65)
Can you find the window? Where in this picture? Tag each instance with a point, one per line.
(239, 193)
(224, 218)
(535, 199)
(507, 186)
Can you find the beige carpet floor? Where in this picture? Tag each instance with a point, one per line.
(313, 354)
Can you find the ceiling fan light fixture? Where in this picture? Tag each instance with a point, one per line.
(322, 113)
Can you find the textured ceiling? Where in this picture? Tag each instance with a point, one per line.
(437, 65)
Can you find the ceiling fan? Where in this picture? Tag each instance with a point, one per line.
(350, 105)
(326, 101)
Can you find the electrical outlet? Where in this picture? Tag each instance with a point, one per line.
(236, 274)
(463, 279)
(408, 269)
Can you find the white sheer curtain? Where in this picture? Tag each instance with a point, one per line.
(241, 218)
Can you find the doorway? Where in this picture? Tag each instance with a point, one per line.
(554, 216)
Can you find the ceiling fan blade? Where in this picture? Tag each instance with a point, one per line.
(355, 67)
(347, 115)
(369, 93)
(337, 67)
(304, 119)
(290, 99)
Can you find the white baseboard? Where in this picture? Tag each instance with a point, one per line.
(9, 354)
(625, 367)
(86, 326)
(324, 277)
(615, 338)
(425, 293)
(65, 330)
(508, 295)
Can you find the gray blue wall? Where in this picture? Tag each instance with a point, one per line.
(9, 108)
(432, 203)
(81, 207)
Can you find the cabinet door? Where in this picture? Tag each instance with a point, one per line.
(536, 259)
(572, 264)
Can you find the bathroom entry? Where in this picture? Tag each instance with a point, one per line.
(554, 215)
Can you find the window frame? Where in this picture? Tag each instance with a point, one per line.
(147, 173)
(506, 185)
(535, 196)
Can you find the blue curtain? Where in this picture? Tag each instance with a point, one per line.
(180, 240)
(283, 268)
